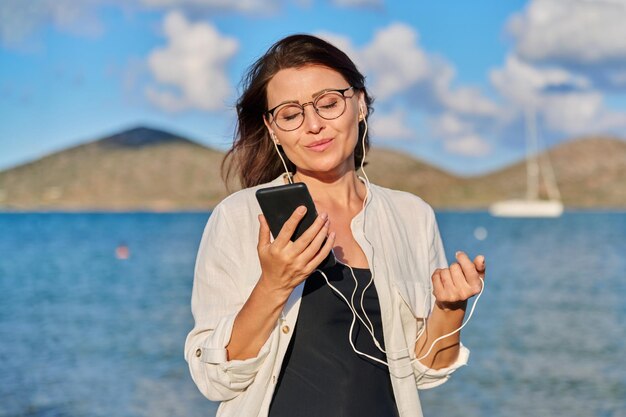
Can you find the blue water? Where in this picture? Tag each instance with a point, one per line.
(85, 334)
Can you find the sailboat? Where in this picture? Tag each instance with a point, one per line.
(536, 167)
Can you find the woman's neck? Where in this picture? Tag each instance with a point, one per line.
(343, 190)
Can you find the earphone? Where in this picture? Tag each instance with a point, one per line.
(276, 143)
(368, 326)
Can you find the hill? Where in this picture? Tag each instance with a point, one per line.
(402, 172)
(139, 169)
(590, 173)
(148, 169)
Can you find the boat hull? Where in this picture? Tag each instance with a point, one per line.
(526, 208)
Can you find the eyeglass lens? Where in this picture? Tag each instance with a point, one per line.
(329, 106)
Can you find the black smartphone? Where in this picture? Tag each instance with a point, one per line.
(278, 204)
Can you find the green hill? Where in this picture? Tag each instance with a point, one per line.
(147, 169)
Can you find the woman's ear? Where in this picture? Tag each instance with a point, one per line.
(362, 106)
(271, 131)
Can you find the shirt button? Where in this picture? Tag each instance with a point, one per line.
(273, 379)
(198, 353)
(285, 329)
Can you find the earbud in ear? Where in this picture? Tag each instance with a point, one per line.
(361, 114)
(274, 138)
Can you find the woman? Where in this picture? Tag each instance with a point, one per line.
(273, 336)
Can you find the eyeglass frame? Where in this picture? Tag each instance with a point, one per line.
(342, 91)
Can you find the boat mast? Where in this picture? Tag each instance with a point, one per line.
(548, 175)
(532, 166)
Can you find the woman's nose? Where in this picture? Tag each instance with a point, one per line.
(312, 121)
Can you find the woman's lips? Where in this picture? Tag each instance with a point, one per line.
(320, 145)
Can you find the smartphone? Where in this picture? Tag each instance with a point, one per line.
(278, 204)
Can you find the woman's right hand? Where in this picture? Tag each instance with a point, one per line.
(284, 263)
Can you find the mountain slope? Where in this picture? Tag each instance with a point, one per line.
(148, 169)
(138, 169)
(590, 172)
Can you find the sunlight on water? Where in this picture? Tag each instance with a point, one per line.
(85, 333)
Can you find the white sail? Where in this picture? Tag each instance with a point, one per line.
(532, 205)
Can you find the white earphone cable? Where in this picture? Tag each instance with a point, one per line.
(281, 158)
(369, 326)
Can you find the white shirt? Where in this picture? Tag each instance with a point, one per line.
(398, 233)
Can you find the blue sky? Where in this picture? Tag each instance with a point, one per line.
(452, 79)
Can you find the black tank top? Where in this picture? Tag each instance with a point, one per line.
(321, 375)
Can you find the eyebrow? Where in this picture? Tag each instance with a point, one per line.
(313, 96)
(319, 93)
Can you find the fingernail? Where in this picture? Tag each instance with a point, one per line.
(456, 255)
(324, 216)
(301, 210)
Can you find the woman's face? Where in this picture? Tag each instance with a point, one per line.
(318, 146)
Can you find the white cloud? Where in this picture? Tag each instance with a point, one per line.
(523, 84)
(391, 125)
(449, 124)
(358, 3)
(191, 67)
(243, 6)
(566, 102)
(573, 30)
(468, 145)
(572, 113)
(392, 62)
(463, 118)
(612, 121)
(395, 60)
(342, 42)
(19, 19)
(583, 36)
(567, 53)
(463, 100)
(581, 113)
(459, 136)
(398, 66)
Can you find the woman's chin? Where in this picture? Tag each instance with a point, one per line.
(327, 168)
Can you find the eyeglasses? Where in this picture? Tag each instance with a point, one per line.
(329, 105)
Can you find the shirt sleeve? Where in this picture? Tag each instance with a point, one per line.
(217, 297)
(436, 251)
(426, 377)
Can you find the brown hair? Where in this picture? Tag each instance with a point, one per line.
(253, 156)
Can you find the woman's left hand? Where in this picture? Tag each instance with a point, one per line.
(453, 286)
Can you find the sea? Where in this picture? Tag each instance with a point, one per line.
(85, 332)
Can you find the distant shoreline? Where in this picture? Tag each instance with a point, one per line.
(572, 210)
(146, 170)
